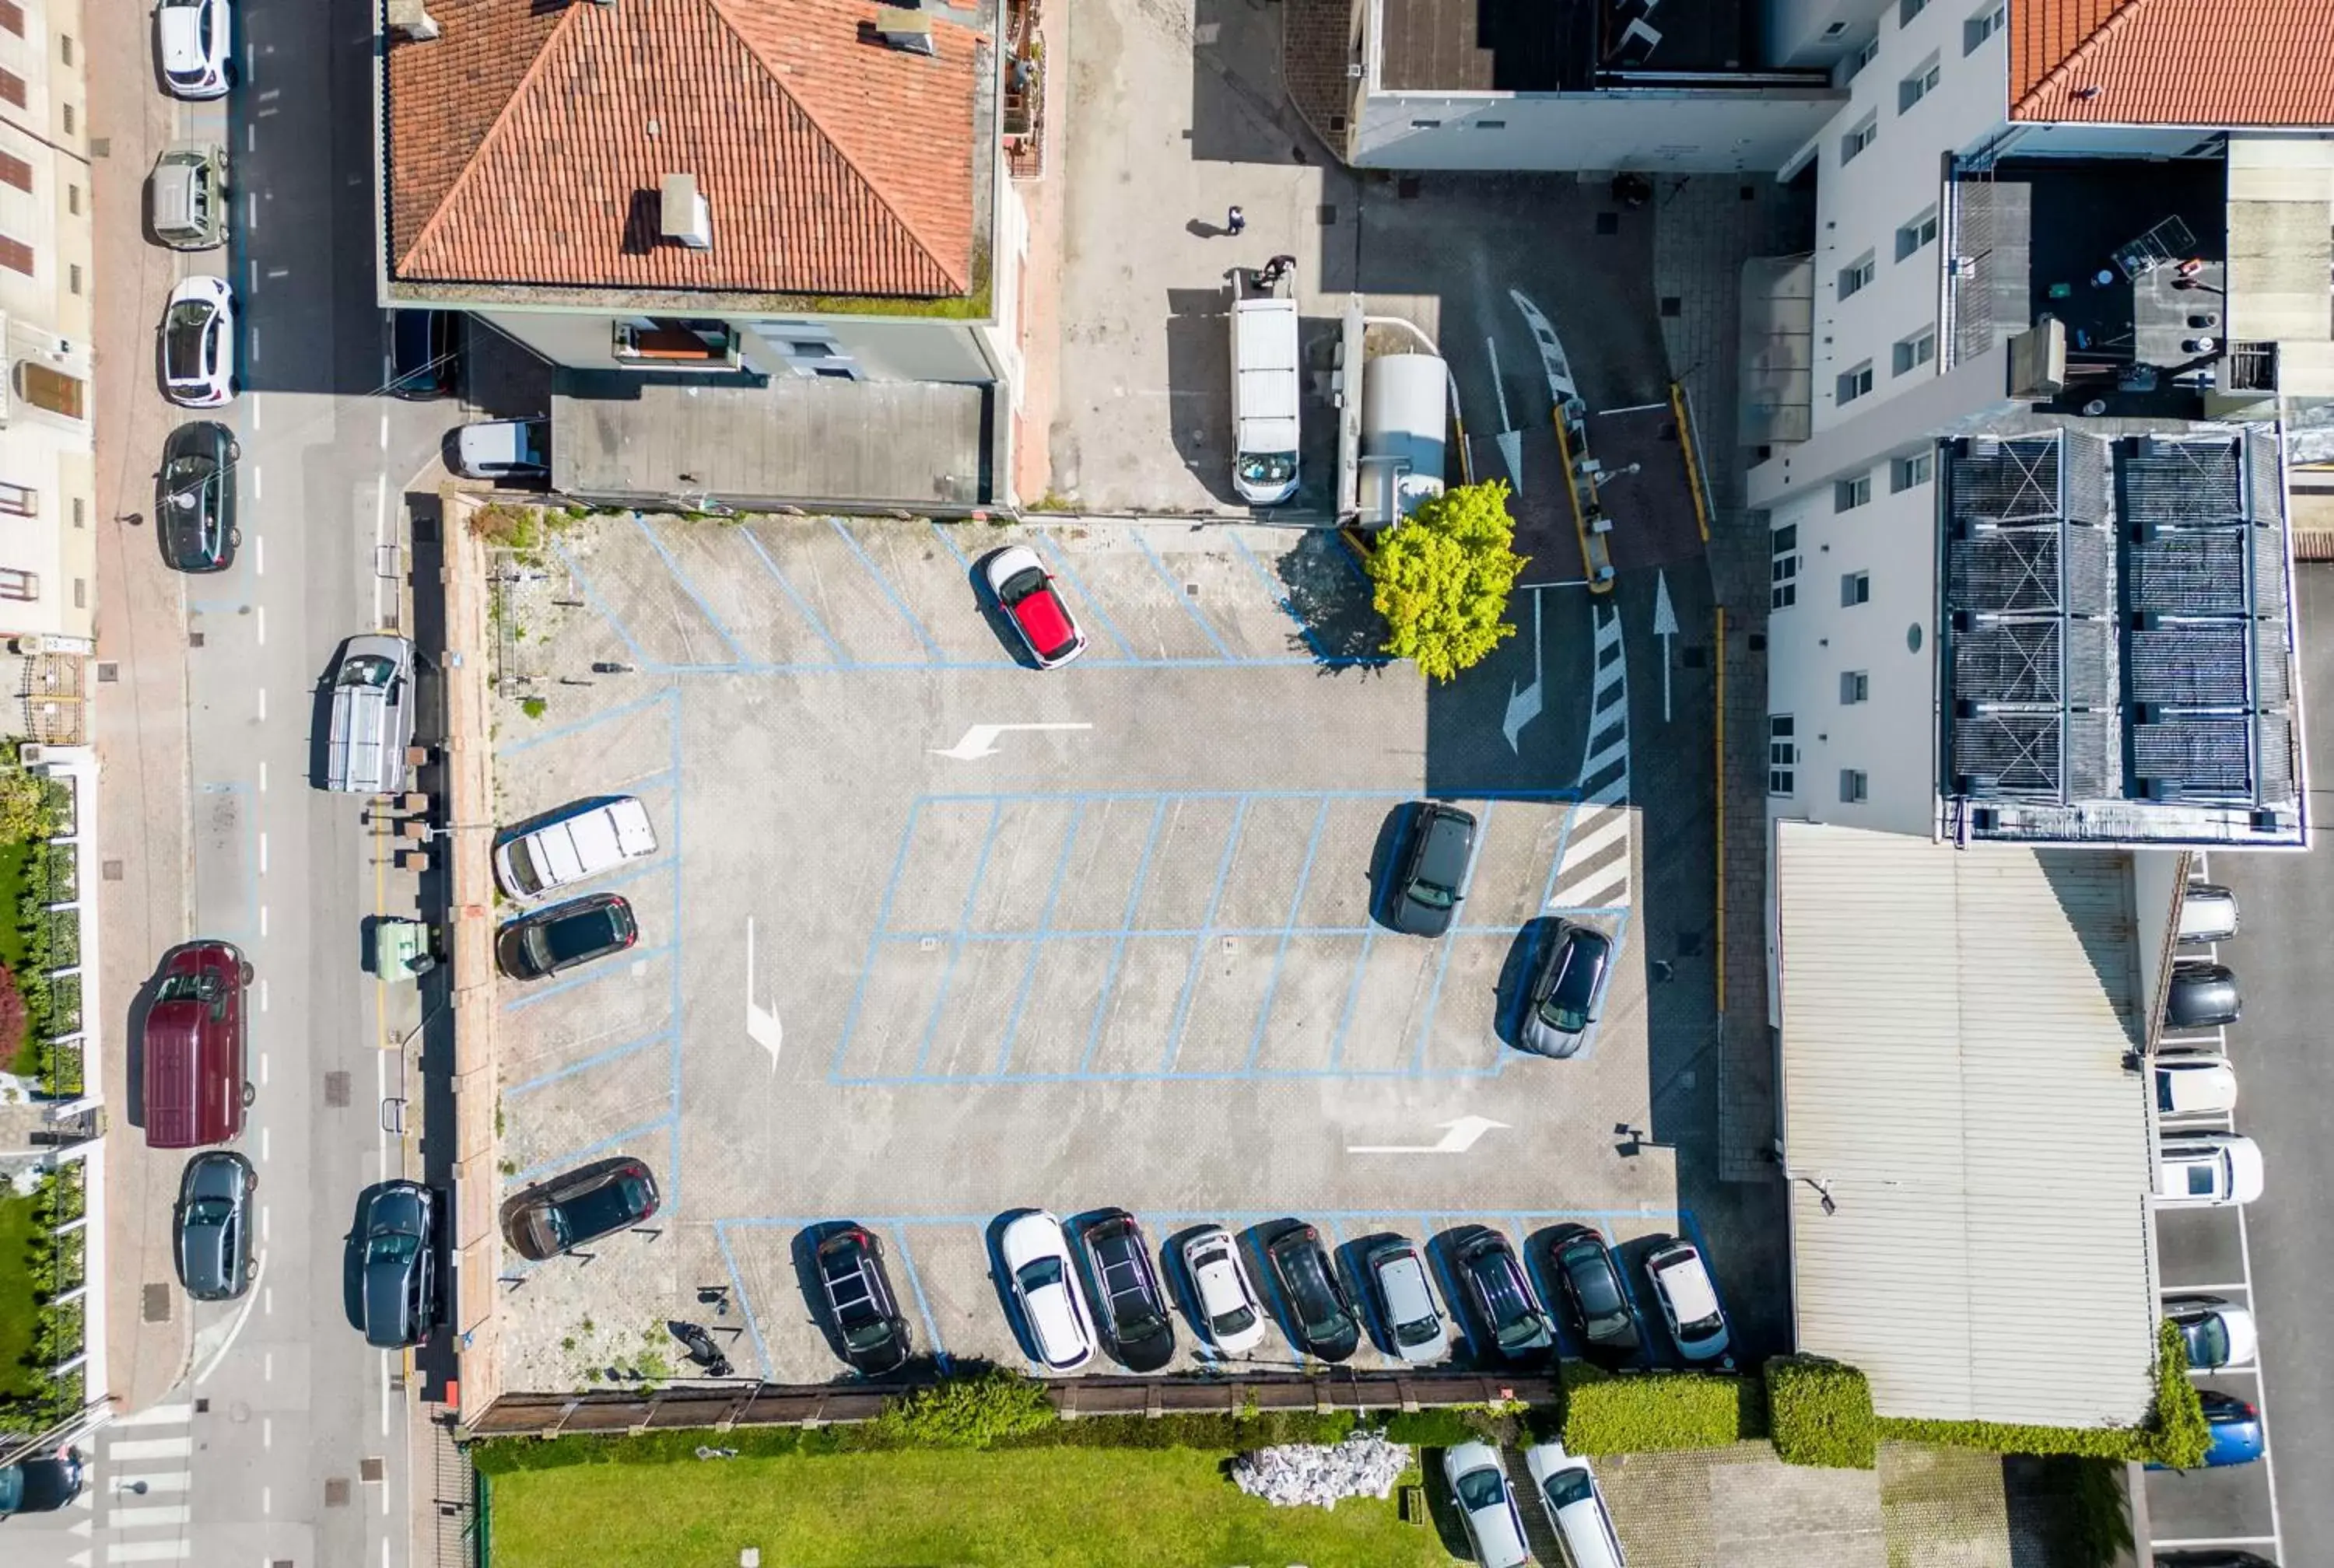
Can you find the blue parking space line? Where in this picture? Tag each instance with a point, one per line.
(745, 1298)
(1279, 596)
(1443, 962)
(882, 919)
(1044, 933)
(1060, 559)
(1118, 953)
(1295, 903)
(600, 607)
(1353, 996)
(596, 973)
(1105, 932)
(1232, 794)
(962, 558)
(578, 1156)
(890, 593)
(682, 579)
(955, 950)
(1387, 1219)
(931, 1324)
(1199, 944)
(802, 605)
(1182, 598)
(598, 1059)
(606, 716)
(1167, 1075)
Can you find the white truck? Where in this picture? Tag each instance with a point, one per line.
(1265, 381)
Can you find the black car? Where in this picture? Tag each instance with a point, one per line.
(1134, 1317)
(211, 1227)
(1432, 873)
(1589, 1277)
(2203, 996)
(1502, 1296)
(40, 1483)
(1565, 990)
(582, 1206)
(1327, 1325)
(544, 941)
(397, 1260)
(425, 353)
(194, 498)
(859, 1306)
(2213, 1557)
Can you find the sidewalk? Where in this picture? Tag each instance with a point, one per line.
(138, 712)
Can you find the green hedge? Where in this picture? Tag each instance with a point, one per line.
(1646, 1412)
(2174, 1435)
(1819, 1412)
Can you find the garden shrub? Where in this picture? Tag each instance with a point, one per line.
(1819, 1412)
(14, 1024)
(1649, 1412)
(1437, 1428)
(967, 1412)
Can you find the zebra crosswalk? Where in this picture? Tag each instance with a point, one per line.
(1592, 872)
(138, 1489)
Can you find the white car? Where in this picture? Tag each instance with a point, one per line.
(1488, 1504)
(2194, 1083)
(192, 38)
(503, 449)
(2217, 1333)
(198, 343)
(2208, 913)
(1045, 1286)
(1235, 1321)
(1575, 1507)
(1689, 1301)
(2205, 1170)
(574, 843)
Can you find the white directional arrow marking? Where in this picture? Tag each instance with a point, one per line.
(1458, 1137)
(1524, 701)
(980, 740)
(1666, 627)
(762, 1026)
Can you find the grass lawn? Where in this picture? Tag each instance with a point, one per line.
(1028, 1508)
(17, 1231)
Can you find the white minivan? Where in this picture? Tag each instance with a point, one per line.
(572, 844)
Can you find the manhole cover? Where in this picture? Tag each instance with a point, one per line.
(194, 639)
(154, 1303)
(336, 1090)
(1190, 591)
(336, 1492)
(110, 870)
(369, 1469)
(107, 671)
(202, 1407)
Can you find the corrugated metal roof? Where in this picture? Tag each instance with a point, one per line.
(1954, 1023)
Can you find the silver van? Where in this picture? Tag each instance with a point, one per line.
(372, 716)
(186, 196)
(573, 843)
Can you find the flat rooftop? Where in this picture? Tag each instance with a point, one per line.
(1553, 45)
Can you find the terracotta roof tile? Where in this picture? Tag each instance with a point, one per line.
(2205, 63)
(528, 142)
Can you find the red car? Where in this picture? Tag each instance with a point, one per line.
(1026, 593)
(194, 1048)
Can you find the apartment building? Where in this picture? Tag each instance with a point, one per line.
(2035, 242)
(47, 461)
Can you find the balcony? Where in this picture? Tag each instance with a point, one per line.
(1024, 117)
(652, 343)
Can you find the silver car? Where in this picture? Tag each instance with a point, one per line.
(1399, 1275)
(1494, 1528)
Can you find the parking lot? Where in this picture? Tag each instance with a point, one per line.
(932, 937)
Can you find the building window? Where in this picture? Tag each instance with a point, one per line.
(12, 17)
(64, 47)
(72, 277)
(81, 593)
(55, 390)
(1909, 473)
(1782, 754)
(1911, 353)
(12, 88)
(1856, 275)
(1784, 567)
(1425, 125)
(1908, 9)
(73, 199)
(1848, 494)
(16, 256)
(1854, 587)
(1854, 686)
(80, 516)
(24, 587)
(15, 171)
(68, 110)
(1982, 26)
(19, 500)
(1851, 787)
(1866, 132)
(1916, 233)
(1489, 124)
(1918, 85)
(1855, 383)
(1864, 56)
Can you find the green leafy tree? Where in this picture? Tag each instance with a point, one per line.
(24, 807)
(1442, 578)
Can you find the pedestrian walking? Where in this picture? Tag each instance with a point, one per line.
(1235, 221)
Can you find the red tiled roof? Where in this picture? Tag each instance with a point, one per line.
(528, 143)
(2233, 63)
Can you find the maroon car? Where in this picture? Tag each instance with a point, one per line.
(195, 1093)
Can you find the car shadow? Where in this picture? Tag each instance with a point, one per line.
(1443, 1508)
(993, 1240)
(1393, 833)
(1516, 972)
(802, 1253)
(133, 1088)
(1252, 1240)
(353, 1257)
(1660, 1350)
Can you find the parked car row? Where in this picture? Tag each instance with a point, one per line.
(2198, 1166)
(1567, 1493)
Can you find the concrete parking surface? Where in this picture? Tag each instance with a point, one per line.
(932, 937)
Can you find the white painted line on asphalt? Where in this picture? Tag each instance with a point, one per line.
(251, 209)
(251, 137)
(263, 1068)
(263, 1222)
(267, 1306)
(254, 274)
(259, 615)
(259, 553)
(117, 1451)
(263, 1143)
(263, 837)
(155, 1416)
(267, 1499)
(263, 1007)
(385, 1552)
(385, 438)
(2205, 1289)
(148, 1550)
(247, 73)
(266, 1431)
(380, 505)
(175, 1481)
(263, 789)
(254, 345)
(384, 1397)
(2261, 1394)
(258, 490)
(2212, 1541)
(148, 1518)
(267, 1367)
(255, 411)
(263, 706)
(263, 919)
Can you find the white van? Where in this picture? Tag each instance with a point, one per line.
(372, 716)
(574, 843)
(1264, 380)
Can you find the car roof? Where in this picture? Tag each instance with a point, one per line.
(1680, 1272)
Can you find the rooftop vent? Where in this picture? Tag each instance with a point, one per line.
(687, 220)
(906, 29)
(411, 22)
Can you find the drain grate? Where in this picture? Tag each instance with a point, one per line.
(1326, 215)
(336, 1091)
(369, 1469)
(154, 1303)
(108, 672)
(110, 870)
(194, 639)
(336, 1492)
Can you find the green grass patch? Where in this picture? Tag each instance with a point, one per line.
(15, 870)
(1049, 1508)
(20, 1231)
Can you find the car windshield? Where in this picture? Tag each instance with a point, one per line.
(1434, 895)
(602, 1210)
(2202, 1179)
(2209, 1339)
(1268, 468)
(208, 1211)
(870, 1330)
(1480, 1490)
(1237, 1321)
(201, 987)
(1419, 1332)
(1567, 1487)
(184, 331)
(1556, 1016)
(1022, 584)
(1040, 1274)
(576, 936)
(392, 1245)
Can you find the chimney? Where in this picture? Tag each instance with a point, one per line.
(687, 219)
(410, 22)
(905, 29)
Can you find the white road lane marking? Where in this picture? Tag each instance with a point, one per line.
(263, 778)
(251, 209)
(263, 837)
(251, 139)
(254, 274)
(263, 1144)
(267, 1499)
(254, 345)
(263, 1066)
(263, 919)
(150, 1448)
(267, 1367)
(255, 411)
(155, 1416)
(148, 1518)
(260, 618)
(258, 490)
(263, 1007)
(259, 553)
(267, 1302)
(148, 1550)
(266, 1431)
(384, 1406)
(384, 435)
(263, 1222)
(263, 708)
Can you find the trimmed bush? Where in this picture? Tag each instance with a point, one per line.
(1819, 1412)
(1439, 1428)
(1649, 1412)
(967, 1412)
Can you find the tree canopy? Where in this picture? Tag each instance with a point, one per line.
(1443, 577)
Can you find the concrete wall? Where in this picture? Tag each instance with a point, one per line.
(2156, 878)
(1681, 131)
(882, 350)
